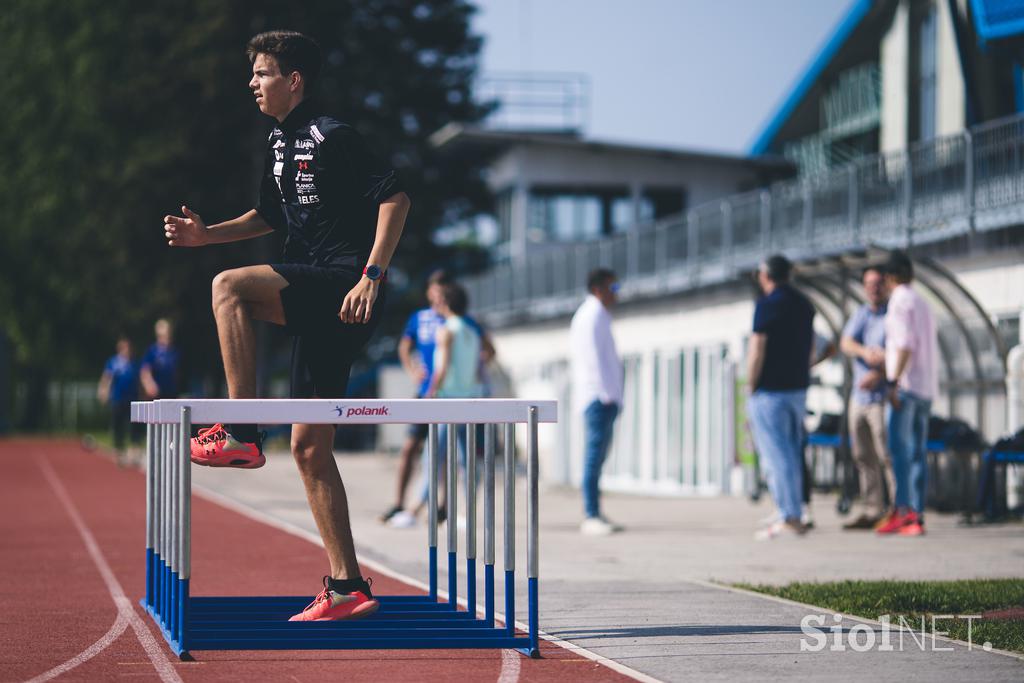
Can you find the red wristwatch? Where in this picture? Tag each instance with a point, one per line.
(375, 273)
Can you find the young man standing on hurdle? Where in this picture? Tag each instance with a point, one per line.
(343, 215)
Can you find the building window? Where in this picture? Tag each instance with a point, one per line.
(570, 214)
(661, 202)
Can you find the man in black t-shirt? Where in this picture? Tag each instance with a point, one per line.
(343, 215)
(779, 359)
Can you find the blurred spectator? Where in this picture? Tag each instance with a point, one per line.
(119, 386)
(597, 388)
(864, 341)
(416, 352)
(779, 358)
(455, 373)
(911, 354)
(159, 371)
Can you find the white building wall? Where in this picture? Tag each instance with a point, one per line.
(950, 95)
(893, 55)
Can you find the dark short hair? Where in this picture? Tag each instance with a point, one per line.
(875, 268)
(293, 51)
(778, 268)
(599, 277)
(440, 277)
(455, 297)
(900, 266)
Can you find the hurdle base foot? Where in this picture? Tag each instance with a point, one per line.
(531, 652)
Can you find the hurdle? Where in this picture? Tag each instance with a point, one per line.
(403, 622)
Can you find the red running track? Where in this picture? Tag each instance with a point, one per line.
(59, 605)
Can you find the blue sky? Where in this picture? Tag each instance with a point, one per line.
(704, 74)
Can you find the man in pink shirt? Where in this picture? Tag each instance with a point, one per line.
(911, 368)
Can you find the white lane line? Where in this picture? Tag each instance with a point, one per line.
(509, 666)
(120, 624)
(295, 530)
(125, 609)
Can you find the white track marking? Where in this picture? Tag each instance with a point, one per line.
(125, 609)
(295, 530)
(509, 666)
(120, 624)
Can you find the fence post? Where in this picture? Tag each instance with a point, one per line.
(766, 220)
(908, 197)
(692, 244)
(969, 180)
(727, 260)
(853, 203)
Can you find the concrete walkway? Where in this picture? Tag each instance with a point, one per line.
(644, 599)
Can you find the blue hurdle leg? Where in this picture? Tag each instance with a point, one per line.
(510, 600)
(453, 580)
(489, 594)
(433, 572)
(149, 578)
(471, 586)
(534, 619)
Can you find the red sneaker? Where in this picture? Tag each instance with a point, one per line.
(331, 606)
(914, 527)
(215, 447)
(895, 521)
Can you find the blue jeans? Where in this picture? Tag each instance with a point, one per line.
(908, 439)
(777, 423)
(442, 455)
(598, 422)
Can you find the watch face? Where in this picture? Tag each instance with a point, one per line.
(373, 272)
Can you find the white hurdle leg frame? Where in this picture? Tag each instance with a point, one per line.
(261, 623)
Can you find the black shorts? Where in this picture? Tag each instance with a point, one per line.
(324, 348)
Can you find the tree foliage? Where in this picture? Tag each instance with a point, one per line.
(118, 112)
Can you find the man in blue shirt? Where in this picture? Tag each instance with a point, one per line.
(159, 372)
(416, 352)
(864, 341)
(779, 359)
(119, 386)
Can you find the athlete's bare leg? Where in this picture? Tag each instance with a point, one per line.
(311, 447)
(254, 293)
(240, 296)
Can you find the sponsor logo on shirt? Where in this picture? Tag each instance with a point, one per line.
(303, 157)
(304, 144)
(279, 143)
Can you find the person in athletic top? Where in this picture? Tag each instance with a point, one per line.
(159, 371)
(119, 386)
(343, 214)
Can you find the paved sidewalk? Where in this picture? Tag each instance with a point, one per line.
(641, 598)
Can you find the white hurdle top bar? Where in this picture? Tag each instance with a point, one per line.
(344, 411)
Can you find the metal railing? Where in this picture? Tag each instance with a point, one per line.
(950, 186)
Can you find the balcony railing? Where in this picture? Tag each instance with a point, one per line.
(956, 185)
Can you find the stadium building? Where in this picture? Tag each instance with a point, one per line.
(906, 131)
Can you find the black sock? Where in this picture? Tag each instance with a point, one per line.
(346, 586)
(244, 433)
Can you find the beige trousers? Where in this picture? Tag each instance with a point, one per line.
(871, 455)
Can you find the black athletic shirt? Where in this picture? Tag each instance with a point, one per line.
(322, 185)
(786, 317)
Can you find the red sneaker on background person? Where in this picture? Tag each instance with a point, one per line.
(914, 527)
(896, 521)
(216, 447)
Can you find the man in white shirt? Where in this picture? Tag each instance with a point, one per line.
(597, 388)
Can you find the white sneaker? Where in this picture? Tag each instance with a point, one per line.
(595, 526)
(777, 530)
(402, 520)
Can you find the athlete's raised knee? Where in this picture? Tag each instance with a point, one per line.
(225, 288)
